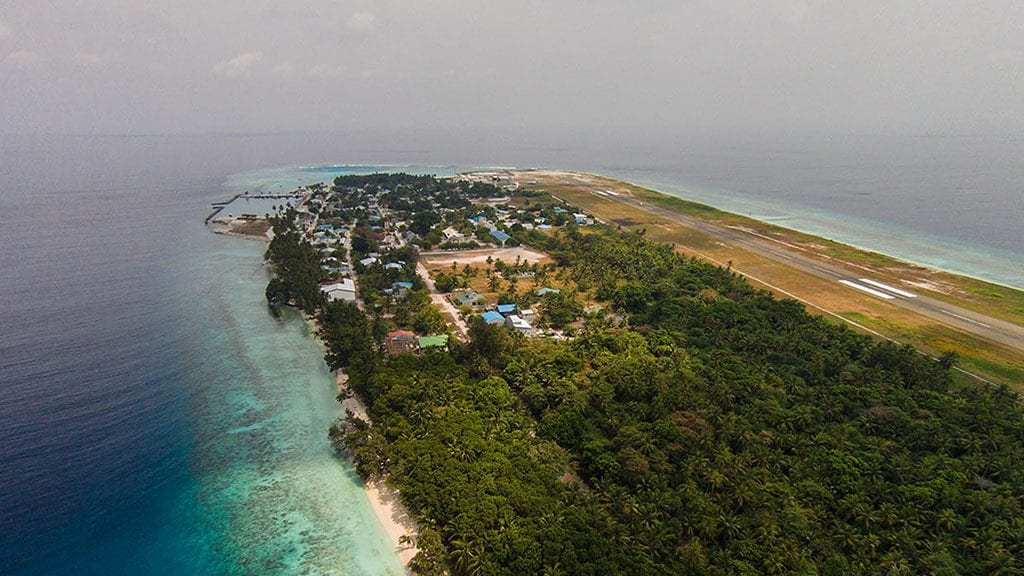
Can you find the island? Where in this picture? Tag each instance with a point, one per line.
(559, 373)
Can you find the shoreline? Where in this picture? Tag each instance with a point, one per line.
(385, 500)
(872, 229)
(677, 192)
(862, 249)
(856, 255)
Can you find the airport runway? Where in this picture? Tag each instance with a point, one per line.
(993, 329)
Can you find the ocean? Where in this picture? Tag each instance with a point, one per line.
(155, 419)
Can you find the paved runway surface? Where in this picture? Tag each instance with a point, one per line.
(993, 329)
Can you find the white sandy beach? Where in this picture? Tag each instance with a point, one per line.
(384, 500)
(394, 517)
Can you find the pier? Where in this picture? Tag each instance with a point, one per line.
(218, 206)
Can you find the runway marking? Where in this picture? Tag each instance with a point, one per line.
(871, 291)
(888, 288)
(964, 318)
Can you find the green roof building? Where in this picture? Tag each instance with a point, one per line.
(439, 341)
(470, 298)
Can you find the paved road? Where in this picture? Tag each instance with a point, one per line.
(993, 329)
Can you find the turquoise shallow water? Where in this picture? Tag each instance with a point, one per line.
(266, 475)
(283, 179)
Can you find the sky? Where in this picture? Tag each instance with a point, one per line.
(131, 67)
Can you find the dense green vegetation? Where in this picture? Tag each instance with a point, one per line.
(700, 427)
(297, 267)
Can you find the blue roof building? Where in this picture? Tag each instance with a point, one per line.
(493, 317)
(506, 308)
(500, 236)
(406, 285)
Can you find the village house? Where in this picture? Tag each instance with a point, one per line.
(344, 289)
(492, 317)
(401, 342)
(519, 324)
(468, 298)
(452, 235)
(499, 236)
(401, 289)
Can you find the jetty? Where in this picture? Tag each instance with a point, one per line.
(218, 206)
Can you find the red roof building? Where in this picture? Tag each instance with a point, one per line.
(401, 342)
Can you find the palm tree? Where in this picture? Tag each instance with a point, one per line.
(467, 555)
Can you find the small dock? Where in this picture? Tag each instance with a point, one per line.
(218, 206)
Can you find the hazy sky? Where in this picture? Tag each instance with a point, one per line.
(131, 66)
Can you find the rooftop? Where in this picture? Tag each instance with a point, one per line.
(438, 341)
(492, 317)
(468, 298)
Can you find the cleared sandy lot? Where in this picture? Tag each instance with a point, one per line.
(473, 257)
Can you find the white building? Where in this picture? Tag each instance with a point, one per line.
(518, 324)
(344, 289)
(452, 235)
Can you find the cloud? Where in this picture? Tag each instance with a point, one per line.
(5, 31)
(90, 59)
(1006, 56)
(362, 22)
(21, 61)
(240, 65)
(795, 12)
(326, 72)
(283, 70)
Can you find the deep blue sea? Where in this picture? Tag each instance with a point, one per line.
(154, 419)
